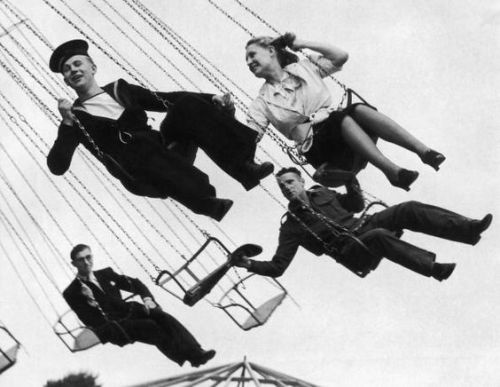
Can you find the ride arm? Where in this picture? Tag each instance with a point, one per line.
(287, 248)
(61, 153)
(352, 200)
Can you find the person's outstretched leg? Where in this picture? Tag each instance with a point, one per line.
(432, 220)
(384, 127)
(228, 142)
(182, 343)
(174, 176)
(362, 144)
(383, 243)
(147, 331)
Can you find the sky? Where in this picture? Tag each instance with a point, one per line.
(431, 66)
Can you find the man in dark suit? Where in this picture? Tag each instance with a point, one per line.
(95, 298)
(111, 122)
(316, 219)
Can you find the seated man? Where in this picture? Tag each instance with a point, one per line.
(315, 216)
(111, 123)
(95, 298)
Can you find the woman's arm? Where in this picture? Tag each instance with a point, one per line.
(336, 55)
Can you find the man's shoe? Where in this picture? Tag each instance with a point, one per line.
(405, 179)
(433, 158)
(329, 176)
(442, 271)
(202, 358)
(479, 226)
(219, 208)
(259, 171)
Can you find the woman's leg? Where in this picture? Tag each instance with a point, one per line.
(384, 127)
(363, 145)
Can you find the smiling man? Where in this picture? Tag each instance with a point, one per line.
(96, 299)
(311, 214)
(111, 122)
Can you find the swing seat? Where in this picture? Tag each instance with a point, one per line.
(85, 339)
(237, 303)
(242, 310)
(75, 336)
(204, 286)
(263, 312)
(8, 358)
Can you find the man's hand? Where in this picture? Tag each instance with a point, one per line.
(149, 303)
(64, 107)
(224, 103)
(241, 261)
(89, 295)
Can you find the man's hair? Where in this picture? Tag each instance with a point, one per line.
(282, 171)
(75, 250)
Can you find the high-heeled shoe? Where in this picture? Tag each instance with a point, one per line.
(433, 158)
(405, 179)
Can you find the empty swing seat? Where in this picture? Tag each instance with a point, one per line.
(8, 356)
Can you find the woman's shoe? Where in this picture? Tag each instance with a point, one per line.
(433, 158)
(330, 176)
(405, 179)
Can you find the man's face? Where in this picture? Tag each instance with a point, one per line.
(83, 262)
(78, 72)
(291, 186)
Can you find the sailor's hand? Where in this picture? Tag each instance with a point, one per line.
(225, 103)
(241, 261)
(149, 303)
(286, 40)
(64, 105)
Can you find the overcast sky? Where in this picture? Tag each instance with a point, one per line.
(430, 65)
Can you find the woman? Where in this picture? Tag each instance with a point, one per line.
(296, 100)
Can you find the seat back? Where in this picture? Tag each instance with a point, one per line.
(74, 335)
(9, 348)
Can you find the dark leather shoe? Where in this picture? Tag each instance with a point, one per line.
(442, 271)
(479, 226)
(202, 358)
(405, 179)
(433, 158)
(219, 208)
(259, 171)
(329, 176)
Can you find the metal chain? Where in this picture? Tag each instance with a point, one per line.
(26, 180)
(20, 64)
(258, 17)
(144, 52)
(232, 19)
(67, 201)
(267, 24)
(27, 236)
(325, 245)
(105, 52)
(21, 239)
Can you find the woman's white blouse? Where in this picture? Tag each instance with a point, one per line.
(300, 100)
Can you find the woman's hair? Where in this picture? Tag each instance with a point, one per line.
(285, 56)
